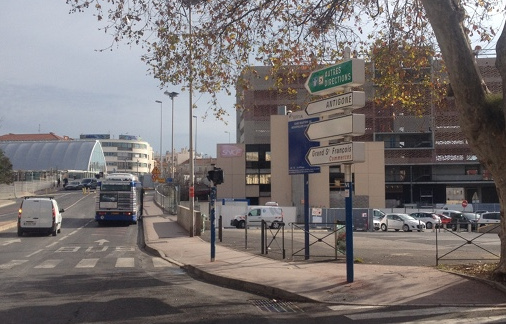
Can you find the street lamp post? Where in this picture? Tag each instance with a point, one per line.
(172, 95)
(189, 3)
(161, 164)
(196, 132)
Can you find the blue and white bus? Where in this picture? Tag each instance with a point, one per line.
(119, 199)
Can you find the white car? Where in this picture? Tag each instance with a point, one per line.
(401, 222)
(376, 221)
(377, 216)
(430, 219)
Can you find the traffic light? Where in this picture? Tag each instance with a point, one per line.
(216, 176)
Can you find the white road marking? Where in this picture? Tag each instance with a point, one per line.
(68, 249)
(471, 320)
(125, 263)
(125, 248)
(96, 249)
(33, 253)
(49, 264)
(11, 264)
(87, 263)
(420, 312)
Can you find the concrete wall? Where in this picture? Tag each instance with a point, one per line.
(20, 189)
(185, 220)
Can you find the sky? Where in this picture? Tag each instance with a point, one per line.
(53, 79)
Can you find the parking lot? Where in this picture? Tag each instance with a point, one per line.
(387, 248)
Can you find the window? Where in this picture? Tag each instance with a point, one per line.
(252, 179)
(472, 169)
(251, 156)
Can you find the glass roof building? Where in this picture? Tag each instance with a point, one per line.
(78, 156)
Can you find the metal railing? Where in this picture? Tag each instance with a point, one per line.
(456, 229)
(167, 198)
(321, 236)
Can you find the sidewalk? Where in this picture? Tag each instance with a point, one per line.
(321, 282)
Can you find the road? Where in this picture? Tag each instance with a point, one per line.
(101, 274)
(91, 273)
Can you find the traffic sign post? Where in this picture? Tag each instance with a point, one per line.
(348, 125)
(335, 78)
(336, 104)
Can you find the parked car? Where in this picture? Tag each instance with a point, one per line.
(89, 183)
(401, 222)
(377, 215)
(39, 215)
(449, 213)
(463, 220)
(489, 218)
(74, 185)
(376, 221)
(431, 220)
(445, 220)
(272, 215)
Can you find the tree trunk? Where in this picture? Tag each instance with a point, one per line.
(482, 123)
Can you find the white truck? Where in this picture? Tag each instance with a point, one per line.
(272, 215)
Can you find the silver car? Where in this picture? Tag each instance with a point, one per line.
(401, 222)
(431, 220)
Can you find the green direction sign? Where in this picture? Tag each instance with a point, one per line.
(334, 78)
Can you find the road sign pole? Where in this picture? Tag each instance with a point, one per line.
(306, 216)
(349, 202)
(212, 221)
(349, 231)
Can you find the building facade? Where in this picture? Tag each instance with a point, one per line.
(426, 158)
(126, 154)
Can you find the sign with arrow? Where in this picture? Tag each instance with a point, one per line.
(348, 125)
(349, 152)
(350, 73)
(336, 104)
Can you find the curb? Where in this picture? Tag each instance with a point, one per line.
(237, 284)
(491, 283)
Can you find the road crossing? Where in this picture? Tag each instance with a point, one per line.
(122, 262)
(468, 314)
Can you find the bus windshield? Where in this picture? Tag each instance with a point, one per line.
(116, 187)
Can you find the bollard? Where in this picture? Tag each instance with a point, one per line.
(262, 234)
(220, 228)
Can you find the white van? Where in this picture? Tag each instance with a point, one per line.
(39, 215)
(489, 218)
(272, 215)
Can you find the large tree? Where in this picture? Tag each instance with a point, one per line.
(6, 174)
(208, 43)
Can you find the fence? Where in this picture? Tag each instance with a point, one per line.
(167, 198)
